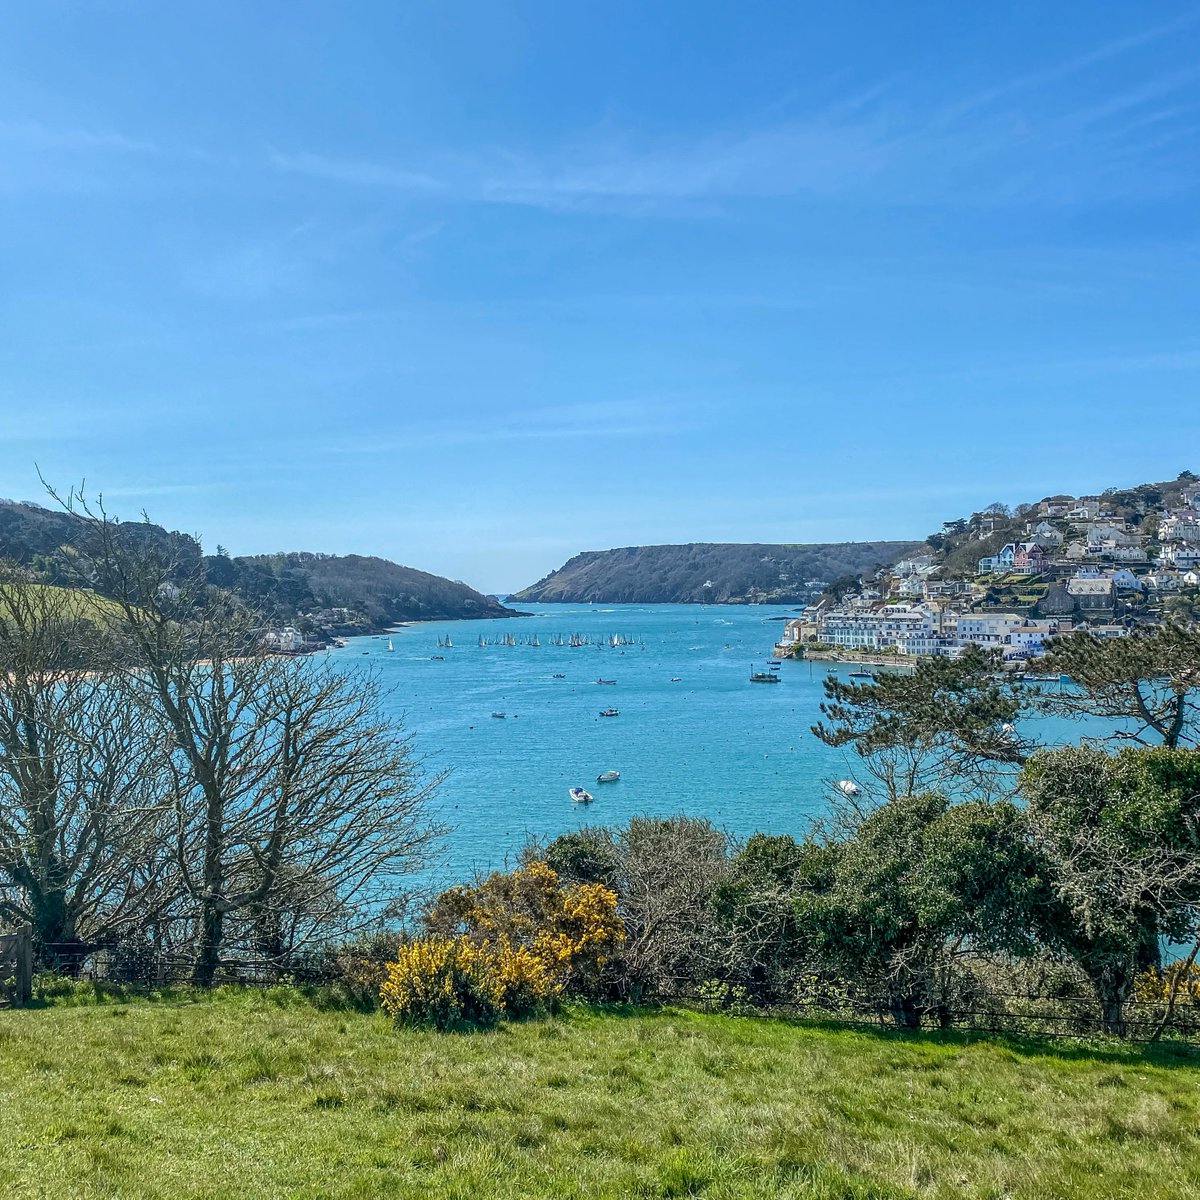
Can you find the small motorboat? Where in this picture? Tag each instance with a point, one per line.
(676, 679)
(608, 776)
(606, 681)
(847, 787)
(498, 715)
(438, 657)
(610, 712)
(557, 676)
(860, 675)
(764, 677)
(579, 795)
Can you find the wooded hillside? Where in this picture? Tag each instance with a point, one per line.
(283, 585)
(709, 572)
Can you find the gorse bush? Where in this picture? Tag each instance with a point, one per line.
(572, 929)
(443, 982)
(509, 946)
(1180, 979)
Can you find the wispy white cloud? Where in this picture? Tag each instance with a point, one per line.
(1014, 140)
(362, 172)
(1075, 65)
(816, 156)
(136, 491)
(601, 419)
(49, 137)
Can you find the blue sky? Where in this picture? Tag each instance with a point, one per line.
(477, 286)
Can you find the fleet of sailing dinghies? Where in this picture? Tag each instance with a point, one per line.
(611, 641)
(579, 795)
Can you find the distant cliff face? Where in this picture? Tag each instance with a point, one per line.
(707, 572)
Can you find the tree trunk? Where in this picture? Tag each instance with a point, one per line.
(1112, 985)
(904, 1009)
(1112, 1014)
(57, 947)
(208, 951)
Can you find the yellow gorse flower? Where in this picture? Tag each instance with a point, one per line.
(525, 940)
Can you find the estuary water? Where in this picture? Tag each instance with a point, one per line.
(694, 735)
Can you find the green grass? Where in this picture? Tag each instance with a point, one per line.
(75, 604)
(257, 1095)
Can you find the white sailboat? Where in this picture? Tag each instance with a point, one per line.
(390, 646)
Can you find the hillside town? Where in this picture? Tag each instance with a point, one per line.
(1012, 579)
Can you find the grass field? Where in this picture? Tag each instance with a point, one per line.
(255, 1095)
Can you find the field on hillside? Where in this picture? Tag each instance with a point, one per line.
(256, 1095)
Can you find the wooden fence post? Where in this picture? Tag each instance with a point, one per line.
(16, 964)
(24, 955)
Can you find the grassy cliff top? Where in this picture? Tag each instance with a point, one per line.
(260, 1095)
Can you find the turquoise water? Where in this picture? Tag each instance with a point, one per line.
(713, 744)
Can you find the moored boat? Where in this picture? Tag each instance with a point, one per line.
(608, 776)
(579, 795)
(763, 676)
(610, 712)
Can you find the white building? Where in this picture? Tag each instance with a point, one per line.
(894, 625)
(1046, 534)
(287, 640)
(986, 629)
(1162, 581)
(1183, 525)
(1029, 639)
(1182, 558)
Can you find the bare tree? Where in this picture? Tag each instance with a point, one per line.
(80, 807)
(669, 870)
(293, 802)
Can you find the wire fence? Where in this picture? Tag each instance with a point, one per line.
(1153, 1012)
